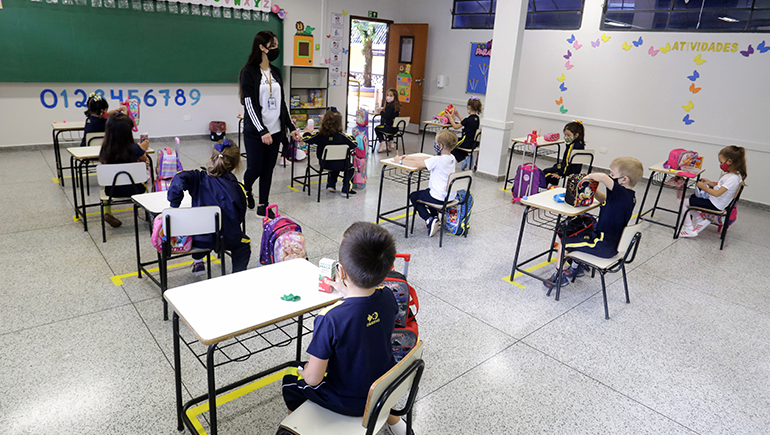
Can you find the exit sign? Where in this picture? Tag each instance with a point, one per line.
(372, 14)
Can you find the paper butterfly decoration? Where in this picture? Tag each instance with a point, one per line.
(666, 48)
(761, 47)
(345, 50)
(560, 101)
(562, 109)
(687, 119)
(596, 43)
(605, 38)
(693, 89)
(569, 66)
(652, 51)
(561, 78)
(571, 39)
(568, 55)
(749, 51)
(626, 46)
(699, 61)
(694, 76)
(638, 42)
(689, 106)
(562, 87)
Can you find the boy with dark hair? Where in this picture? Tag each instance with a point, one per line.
(351, 345)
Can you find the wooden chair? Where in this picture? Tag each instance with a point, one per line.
(474, 148)
(385, 393)
(120, 174)
(580, 157)
(464, 180)
(724, 214)
(331, 153)
(192, 221)
(628, 245)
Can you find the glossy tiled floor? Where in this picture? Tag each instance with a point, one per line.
(688, 355)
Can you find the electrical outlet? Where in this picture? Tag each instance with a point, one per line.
(603, 150)
(189, 118)
(446, 80)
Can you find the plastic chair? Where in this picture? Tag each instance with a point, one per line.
(464, 180)
(92, 140)
(628, 245)
(473, 149)
(580, 157)
(384, 394)
(724, 214)
(114, 175)
(192, 221)
(331, 153)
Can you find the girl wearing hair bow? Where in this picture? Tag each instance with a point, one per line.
(217, 185)
(470, 126)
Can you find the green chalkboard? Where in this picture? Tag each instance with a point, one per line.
(58, 43)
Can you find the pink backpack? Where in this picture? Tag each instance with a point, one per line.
(168, 166)
(680, 158)
(178, 244)
(359, 160)
(282, 239)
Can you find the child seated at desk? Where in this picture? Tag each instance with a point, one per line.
(97, 114)
(216, 185)
(331, 133)
(574, 139)
(617, 207)
(350, 344)
(470, 126)
(440, 167)
(119, 147)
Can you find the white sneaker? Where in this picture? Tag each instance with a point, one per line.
(688, 233)
(700, 226)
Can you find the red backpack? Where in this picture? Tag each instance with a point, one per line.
(406, 332)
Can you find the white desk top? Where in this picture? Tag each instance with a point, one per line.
(156, 202)
(391, 162)
(68, 126)
(224, 307)
(540, 141)
(85, 153)
(544, 201)
(658, 167)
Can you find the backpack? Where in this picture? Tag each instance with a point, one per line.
(526, 175)
(406, 331)
(580, 193)
(178, 244)
(582, 224)
(167, 168)
(458, 217)
(720, 220)
(681, 158)
(282, 239)
(133, 111)
(218, 130)
(359, 160)
(296, 151)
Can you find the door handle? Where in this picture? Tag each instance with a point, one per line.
(418, 81)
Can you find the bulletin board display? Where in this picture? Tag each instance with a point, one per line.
(478, 68)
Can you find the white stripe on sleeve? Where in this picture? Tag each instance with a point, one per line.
(252, 114)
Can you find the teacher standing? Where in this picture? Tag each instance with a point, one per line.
(267, 117)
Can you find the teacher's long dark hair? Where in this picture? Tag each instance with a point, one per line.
(263, 38)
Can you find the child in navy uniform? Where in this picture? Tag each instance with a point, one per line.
(574, 138)
(351, 339)
(331, 133)
(216, 185)
(470, 126)
(387, 115)
(96, 115)
(617, 207)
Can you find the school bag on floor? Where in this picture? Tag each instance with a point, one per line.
(282, 239)
(359, 161)
(458, 218)
(528, 181)
(406, 332)
(167, 168)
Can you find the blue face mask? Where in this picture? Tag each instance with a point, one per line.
(437, 146)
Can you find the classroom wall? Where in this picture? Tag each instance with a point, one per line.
(630, 101)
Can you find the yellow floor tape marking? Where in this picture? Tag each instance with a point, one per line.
(297, 190)
(400, 216)
(56, 179)
(98, 213)
(531, 269)
(193, 413)
(118, 279)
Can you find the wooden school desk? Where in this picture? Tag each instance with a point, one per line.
(80, 157)
(60, 127)
(544, 212)
(242, 307)
(521, 144)
(401, 174)
(657, 170)
(432, 126)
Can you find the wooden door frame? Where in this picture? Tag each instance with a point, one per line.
(385, 73)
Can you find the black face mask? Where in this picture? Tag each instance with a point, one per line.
(273, 54)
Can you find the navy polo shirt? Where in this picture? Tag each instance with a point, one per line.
(615, 213)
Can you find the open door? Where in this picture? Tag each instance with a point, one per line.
(407, 49)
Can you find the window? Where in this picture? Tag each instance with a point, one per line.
(688, 15)
(541, 14)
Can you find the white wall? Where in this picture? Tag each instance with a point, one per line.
(25, 121)
(629, 101)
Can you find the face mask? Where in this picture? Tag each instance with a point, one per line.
(389, 99)
(724, 166)
(437, 147)
(273, 54)
(568, 140)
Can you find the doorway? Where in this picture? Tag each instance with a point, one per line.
(368, 41)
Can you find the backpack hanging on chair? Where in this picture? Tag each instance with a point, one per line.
(458, 218)
(406, 332)
(168, 166)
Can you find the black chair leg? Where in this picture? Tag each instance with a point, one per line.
(724, 232)
(208, 265)
(320, 176)
(104, 231)
(441, 228)
(625, 283)
(604, 295)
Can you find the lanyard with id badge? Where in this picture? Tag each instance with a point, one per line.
(271, 103)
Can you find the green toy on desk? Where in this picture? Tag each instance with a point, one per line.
(290, 298)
